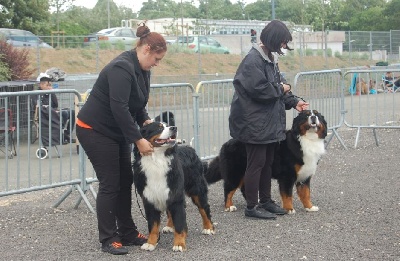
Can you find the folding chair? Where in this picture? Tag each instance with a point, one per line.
(388, 85)
(34, 111)
(7, 129)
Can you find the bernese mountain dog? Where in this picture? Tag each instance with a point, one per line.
(163, 178)
(294, 164)
(166, 116)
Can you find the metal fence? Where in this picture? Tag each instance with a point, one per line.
(368, 45)
(201, 115)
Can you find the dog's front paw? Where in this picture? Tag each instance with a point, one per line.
(231, 209)
(178, 248)
(168, 229)
(312, 209)
(148, 247)
(291, 211)
(208, 231)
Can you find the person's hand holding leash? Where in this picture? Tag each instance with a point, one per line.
(302, 105)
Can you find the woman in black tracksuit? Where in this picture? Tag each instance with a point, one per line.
(107, 125)
(258, 118)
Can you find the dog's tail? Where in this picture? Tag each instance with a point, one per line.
(213, 173)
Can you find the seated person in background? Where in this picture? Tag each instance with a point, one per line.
(362, 87)
(67, 116)
(391, 83)
(253, 35)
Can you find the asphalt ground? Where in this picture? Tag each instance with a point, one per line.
(356, 190)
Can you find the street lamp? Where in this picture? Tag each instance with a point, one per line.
(352, 41)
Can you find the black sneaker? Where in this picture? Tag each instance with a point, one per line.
(134, 239)
(257, 212)
(114, 248)
(272, 207)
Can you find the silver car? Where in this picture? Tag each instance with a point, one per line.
(22, 38)
(113, 36)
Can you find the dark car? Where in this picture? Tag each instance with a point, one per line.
(22, 38)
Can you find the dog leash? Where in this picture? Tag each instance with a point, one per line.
(137, 201)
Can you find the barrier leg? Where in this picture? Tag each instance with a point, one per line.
(63, 197)
(85, 199)
(357, 137)
(376, 137)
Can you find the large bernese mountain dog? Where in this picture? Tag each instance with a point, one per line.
(294, 164)
(163, 178)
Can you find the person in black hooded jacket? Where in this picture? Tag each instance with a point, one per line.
(107, 125)
(258, 118)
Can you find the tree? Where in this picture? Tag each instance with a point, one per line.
(59, 5)
(15, 62)
(31, 15)
(260, 10)
(391, 11)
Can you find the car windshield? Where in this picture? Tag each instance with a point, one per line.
(106, 31)
(21, 36)
(185, 39)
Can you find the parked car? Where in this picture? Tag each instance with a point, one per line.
(200, 43)
(22, 38)
(113, 35)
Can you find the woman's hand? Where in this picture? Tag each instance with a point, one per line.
(302, 105)
(286, 87)
(147, 122)
(144, 146)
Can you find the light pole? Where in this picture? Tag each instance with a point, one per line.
(182, 17)
(108, 12)
(352, 41)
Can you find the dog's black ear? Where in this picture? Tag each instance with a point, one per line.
(324, 123)
(151, 129)
(297, 121)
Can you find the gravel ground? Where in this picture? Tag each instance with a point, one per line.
(356, 190)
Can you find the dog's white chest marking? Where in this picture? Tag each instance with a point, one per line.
(156, 168)
(313, 148)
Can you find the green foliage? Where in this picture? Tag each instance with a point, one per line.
(355, 15)
(309, 52)
(17, 60)
(391, 12)
(338, 55)
(27, 15)
(105, 45)
(5, 73)
(365, 56)
(119, 45)
(329, 52)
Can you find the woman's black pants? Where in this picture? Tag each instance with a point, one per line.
(111, 161)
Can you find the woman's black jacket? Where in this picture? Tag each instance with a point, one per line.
(257, 114)
(116, 104)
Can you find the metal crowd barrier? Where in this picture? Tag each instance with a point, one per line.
(375, 107)
(323, 91)
(212, 111)
(26, 172)
(201, 115)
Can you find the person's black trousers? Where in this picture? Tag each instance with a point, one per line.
(258, 175)
(111, 161)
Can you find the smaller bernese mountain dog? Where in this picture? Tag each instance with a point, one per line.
(294, 164)
(163, 178)
(166, 116)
